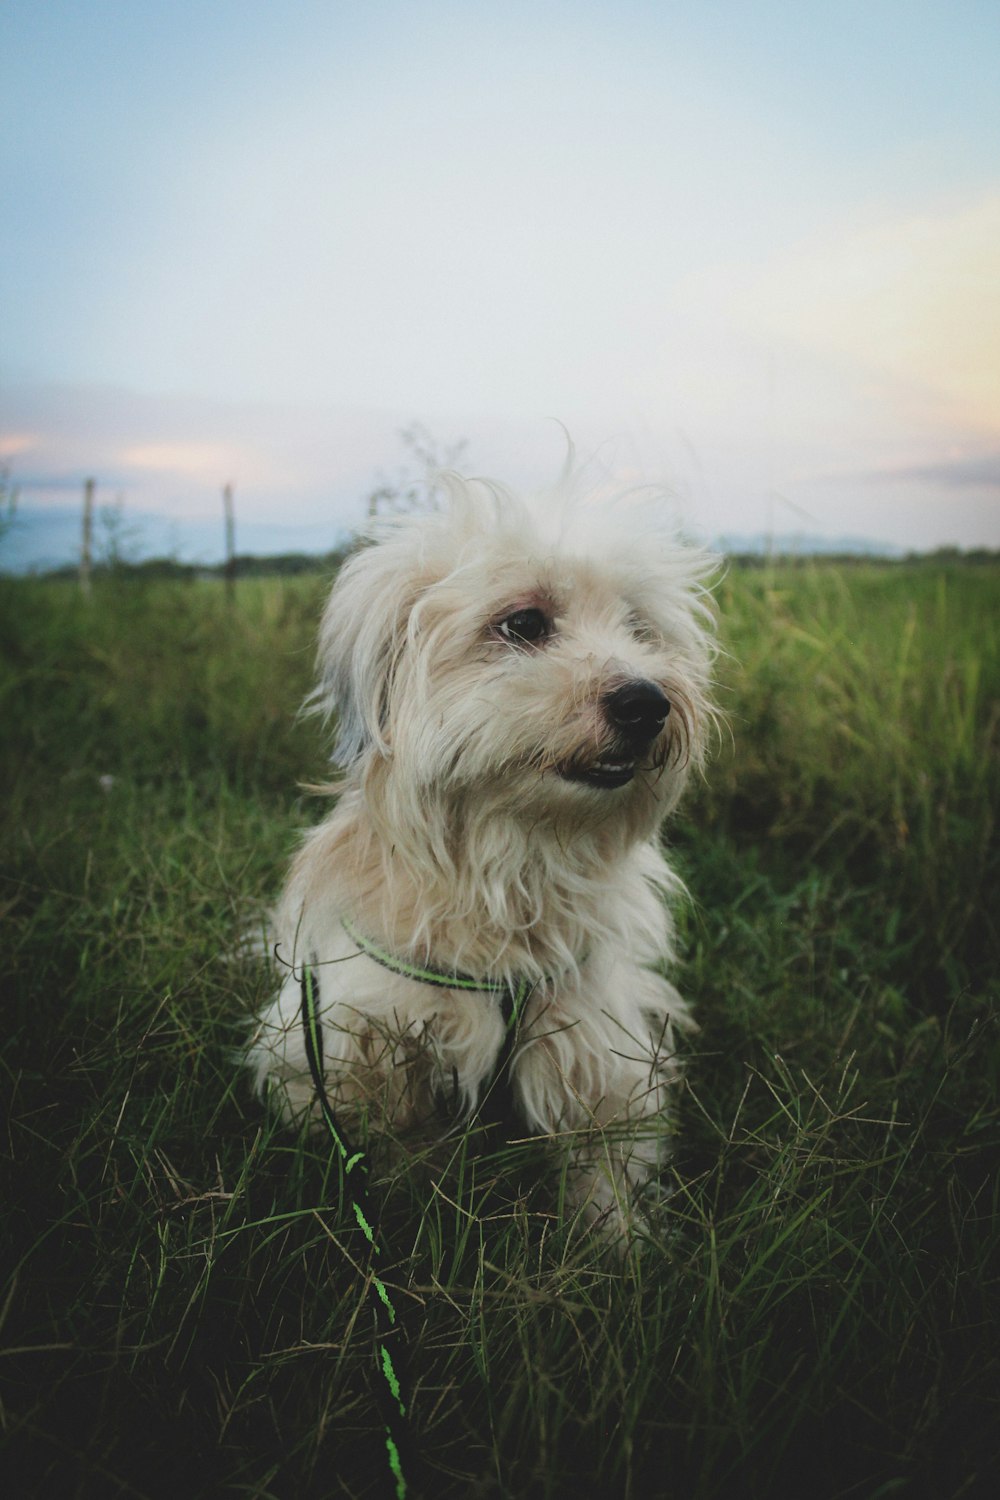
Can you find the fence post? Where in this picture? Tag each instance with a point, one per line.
(230, 569)
(88, 531)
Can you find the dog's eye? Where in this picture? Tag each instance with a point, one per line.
(642, 629)
(524, 627)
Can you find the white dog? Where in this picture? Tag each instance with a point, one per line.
(521, 691)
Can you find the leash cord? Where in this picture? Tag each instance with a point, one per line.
(389, 1386)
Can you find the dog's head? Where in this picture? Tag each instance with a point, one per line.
(549, 660)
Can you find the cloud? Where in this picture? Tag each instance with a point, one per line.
(16, 443)
(917, 300)
(206, 461)
(981, 472)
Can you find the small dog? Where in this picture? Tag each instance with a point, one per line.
(521, 691)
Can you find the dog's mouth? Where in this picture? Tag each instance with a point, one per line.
(604, 774)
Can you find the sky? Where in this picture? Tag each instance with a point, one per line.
(748, 249)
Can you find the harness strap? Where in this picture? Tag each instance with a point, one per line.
(444, 978)
(513, 1000)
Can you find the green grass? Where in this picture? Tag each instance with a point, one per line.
(816, 1314)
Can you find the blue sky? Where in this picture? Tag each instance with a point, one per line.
(749, 249)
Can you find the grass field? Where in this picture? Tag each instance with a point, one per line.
(817, 1313)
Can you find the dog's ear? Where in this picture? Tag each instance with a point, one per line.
(360, 638)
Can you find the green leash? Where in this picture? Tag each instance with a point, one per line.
(389, 1389)
(393, 1400)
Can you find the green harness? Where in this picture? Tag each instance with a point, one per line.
(513, 999)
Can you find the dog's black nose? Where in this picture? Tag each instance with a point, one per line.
(638, 711)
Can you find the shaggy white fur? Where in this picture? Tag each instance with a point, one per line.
(521, 690)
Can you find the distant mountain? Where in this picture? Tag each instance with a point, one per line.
(33, 543)
(804, 544)
(37, 540)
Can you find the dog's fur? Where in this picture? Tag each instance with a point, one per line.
(472, 657)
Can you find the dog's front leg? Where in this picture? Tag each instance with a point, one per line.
(607, 1170)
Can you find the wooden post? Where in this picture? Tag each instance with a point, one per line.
(230, 571)
(88, 531)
